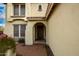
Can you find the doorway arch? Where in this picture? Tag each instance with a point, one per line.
(40, 32)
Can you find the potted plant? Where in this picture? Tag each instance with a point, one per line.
(7, 45)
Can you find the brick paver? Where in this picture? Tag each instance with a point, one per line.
(31, 50)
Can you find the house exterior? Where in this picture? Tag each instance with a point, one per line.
(21, 20)
(55, 24)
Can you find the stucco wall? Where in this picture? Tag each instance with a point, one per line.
(32, 9)
(63, 30)
(8, 29)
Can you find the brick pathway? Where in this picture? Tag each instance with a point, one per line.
(31, 50)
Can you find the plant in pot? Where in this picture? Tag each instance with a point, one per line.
(6, 43)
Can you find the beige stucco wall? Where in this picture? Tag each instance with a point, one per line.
(63, 30)
(8, 29)
(32, 9)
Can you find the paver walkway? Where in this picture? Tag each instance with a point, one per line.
(31, 50)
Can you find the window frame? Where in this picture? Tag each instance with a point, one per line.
(19, 29)
(19, 11)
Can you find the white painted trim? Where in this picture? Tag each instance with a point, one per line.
(19, 9)
(19, 30)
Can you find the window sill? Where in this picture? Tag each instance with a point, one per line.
(17, 16)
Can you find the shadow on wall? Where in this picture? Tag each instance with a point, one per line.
(49, 51)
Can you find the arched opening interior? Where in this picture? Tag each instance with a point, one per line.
(40, 32)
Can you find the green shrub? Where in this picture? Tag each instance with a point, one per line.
(7, 43)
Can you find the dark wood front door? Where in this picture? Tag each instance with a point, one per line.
(39, 32)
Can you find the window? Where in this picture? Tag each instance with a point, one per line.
(22, 30)
(16, 10)
(40, 8)
(16, 30)
(19, 30)
(22, 9)
(19, 9)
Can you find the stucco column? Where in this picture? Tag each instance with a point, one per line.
(29, 34)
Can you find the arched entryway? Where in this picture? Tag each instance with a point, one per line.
(40, 32)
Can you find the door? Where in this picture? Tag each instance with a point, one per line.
(39, 32)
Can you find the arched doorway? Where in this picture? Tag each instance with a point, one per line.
(40, 32)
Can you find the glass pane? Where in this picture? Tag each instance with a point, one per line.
(22, 30)
(16, 10)
(16, 30)
(22, 10)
